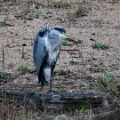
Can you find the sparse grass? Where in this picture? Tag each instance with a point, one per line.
(2, 24)
(95, 21)
(95, 84)
(63, 20)
(60, 71)
(66, 82)
(97, 69)
(65, 43)
(74, 63)
(56, 78)
(63, 91)
(49, 12)
(24, 69)
(64, 4)
(81, 111)
(82, 63)
(22, 17)
(3, 75)
(38, 15)
(115, 67)
(82, 11)
(78, 77)
(99, 46)
(109, 80)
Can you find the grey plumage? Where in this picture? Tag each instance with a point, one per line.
(46, 51)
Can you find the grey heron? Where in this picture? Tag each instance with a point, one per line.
(46, 50)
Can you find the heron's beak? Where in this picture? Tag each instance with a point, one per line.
(63, 36)
(69, 38)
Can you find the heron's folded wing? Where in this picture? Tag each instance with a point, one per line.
(38, 52)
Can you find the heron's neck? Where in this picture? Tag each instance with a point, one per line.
(55, 43)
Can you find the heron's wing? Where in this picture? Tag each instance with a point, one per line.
(38, 52)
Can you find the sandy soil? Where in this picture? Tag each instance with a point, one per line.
(96, 22)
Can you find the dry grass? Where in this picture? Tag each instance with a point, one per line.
(83, 69)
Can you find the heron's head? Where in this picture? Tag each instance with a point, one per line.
(54, 34)
(61, 31)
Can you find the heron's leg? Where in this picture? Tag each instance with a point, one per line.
(52, 91)
(51, 85)
(40, 78)
(42, 81)
(41, 86)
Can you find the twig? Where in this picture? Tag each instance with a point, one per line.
(70, 50)
(23, 53)
(3, 57)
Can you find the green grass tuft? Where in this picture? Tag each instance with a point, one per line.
(99, 46)
(63, 91)
(115, 67)
(65, 43)
(81, 111)
(49, 12)
(95, 84)
(24, 69)
(109, 80)
(82, 63)
(2, 24)
(3, 75)
(22, 17)
(64, 5)
(97, 69)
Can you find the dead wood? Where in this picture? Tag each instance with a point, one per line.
(39, 100)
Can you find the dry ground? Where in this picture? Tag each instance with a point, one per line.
(79, 67)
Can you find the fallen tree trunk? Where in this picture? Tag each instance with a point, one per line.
(54, 100)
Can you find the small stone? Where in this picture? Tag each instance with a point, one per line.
(45, 117)
(24, 44)
(39, 118)
(93, 33)
(92, 39)
(62, 117)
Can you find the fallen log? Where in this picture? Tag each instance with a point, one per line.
(55, 100)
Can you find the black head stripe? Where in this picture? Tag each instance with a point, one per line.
(60, 29)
